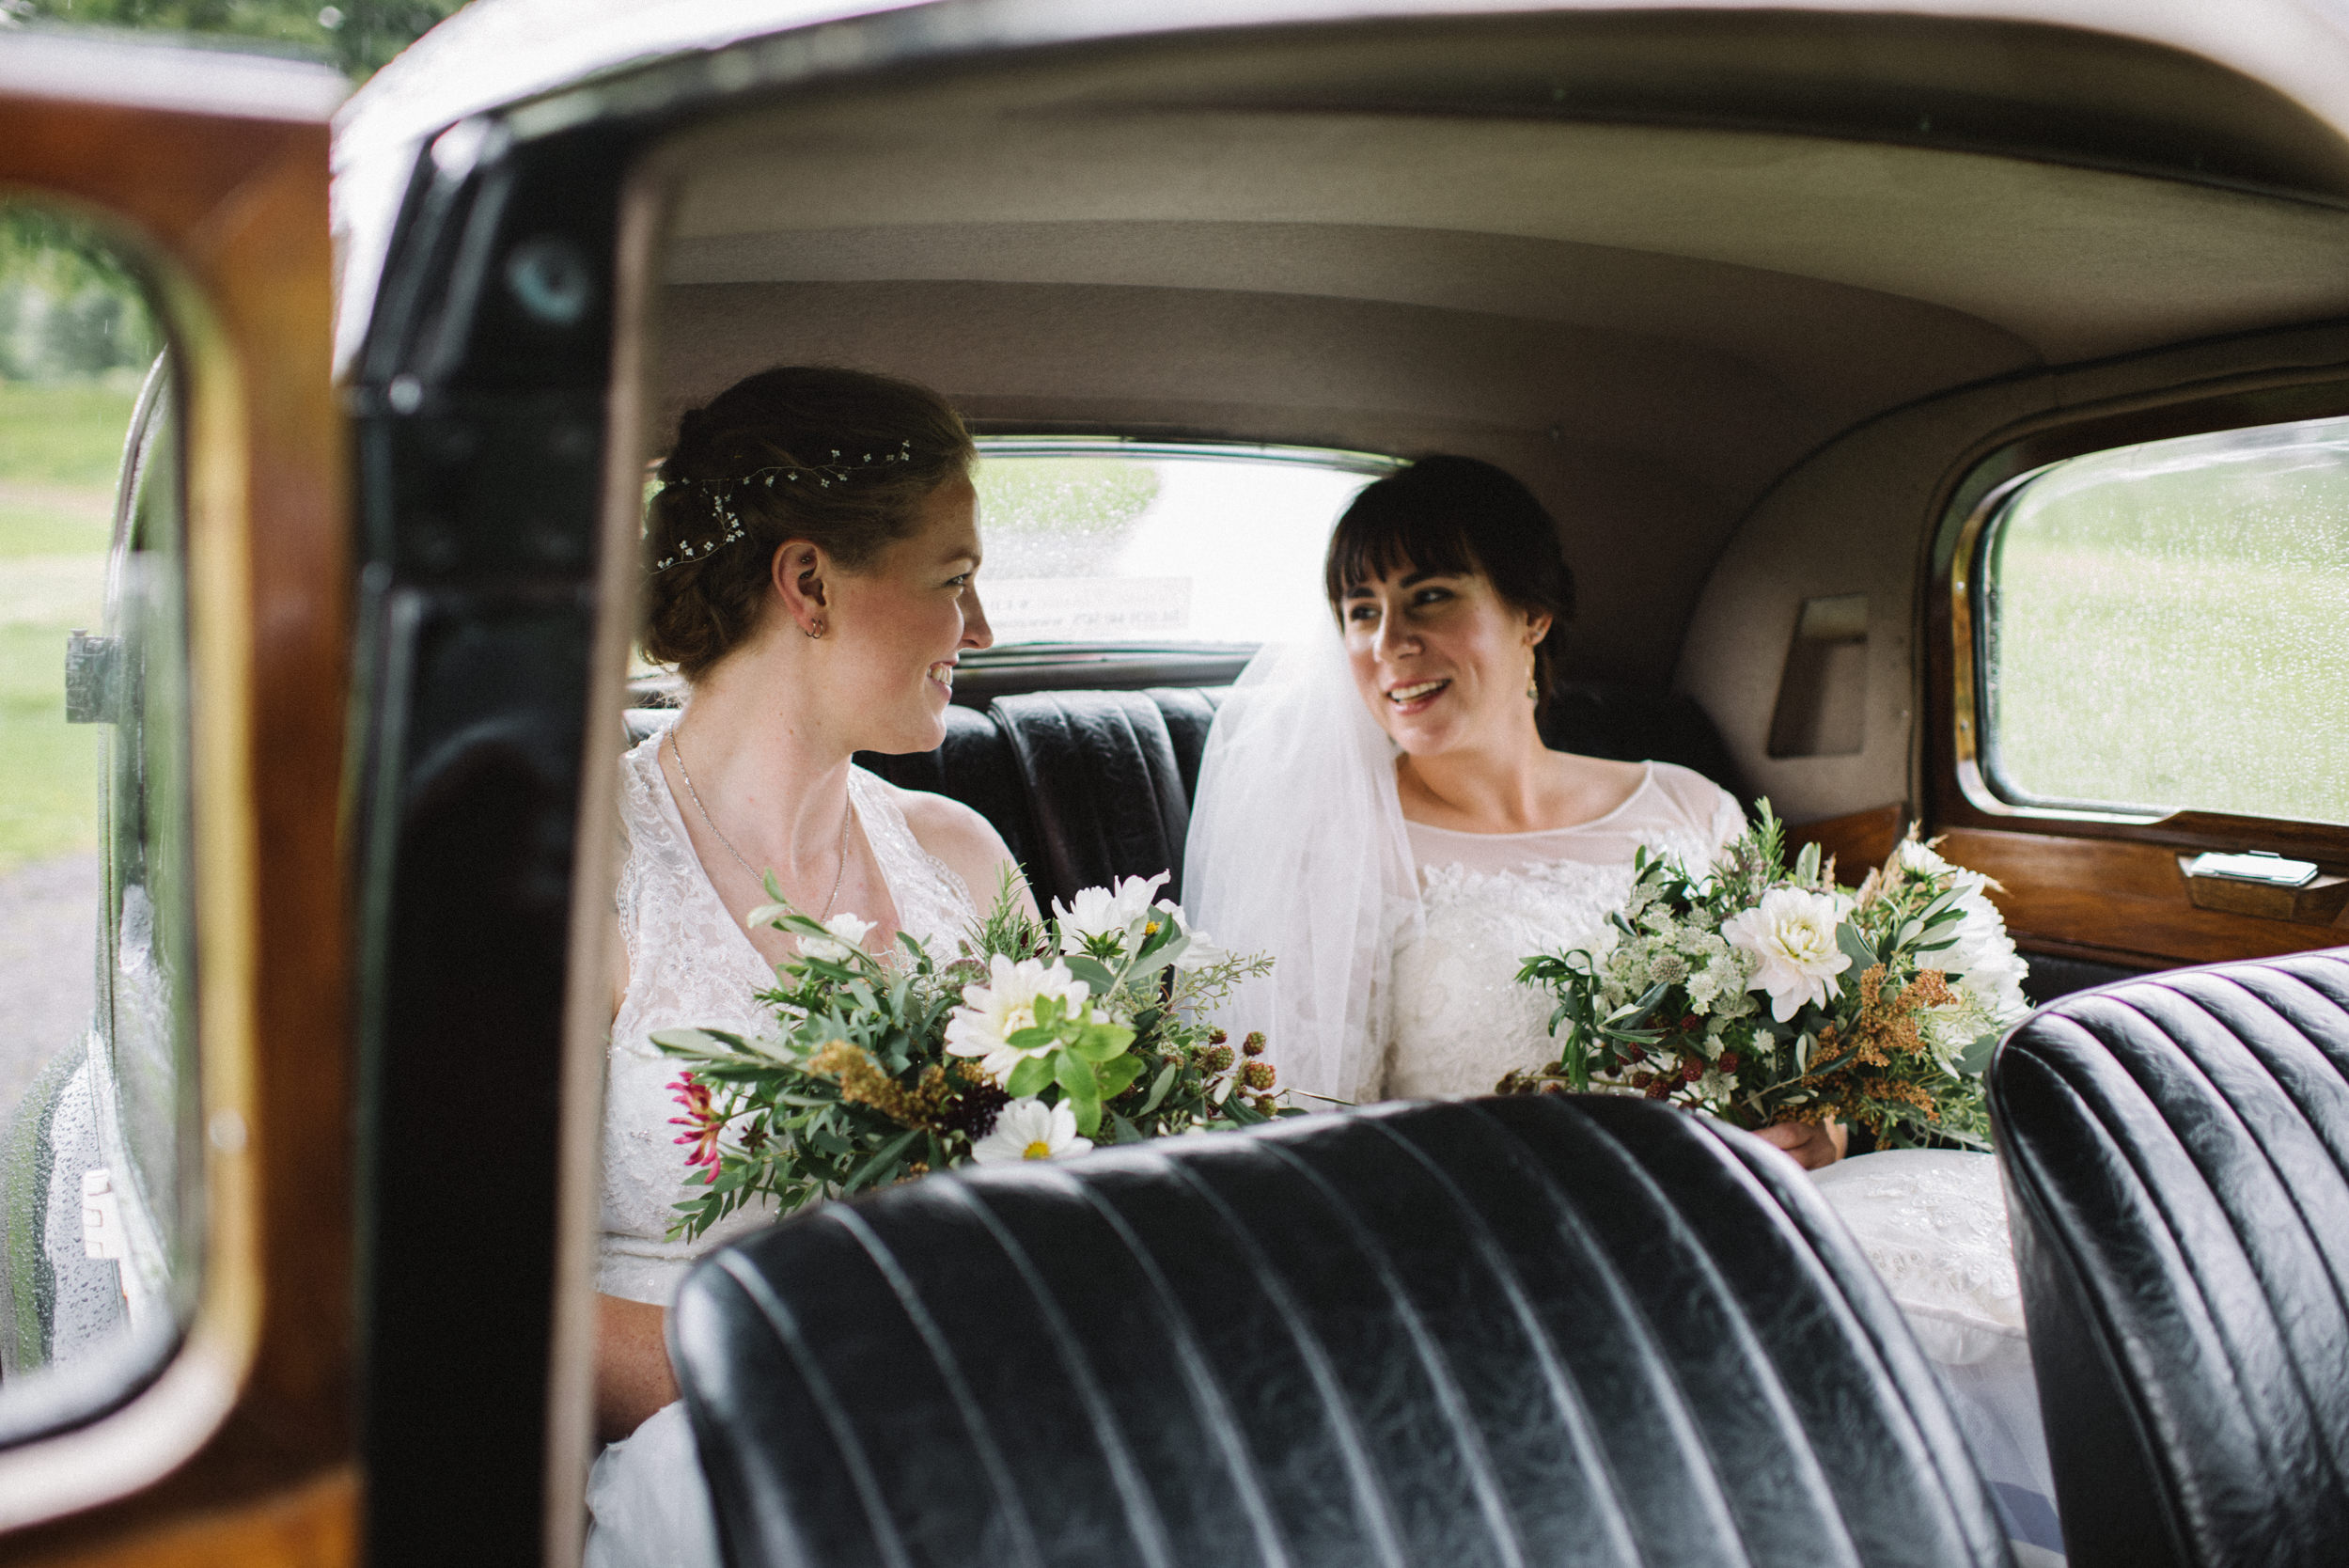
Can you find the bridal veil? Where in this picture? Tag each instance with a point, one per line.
(1297, 849)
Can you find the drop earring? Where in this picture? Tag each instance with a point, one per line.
(1533, 682)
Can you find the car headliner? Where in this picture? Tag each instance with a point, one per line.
(1656, 261)
(497, 53)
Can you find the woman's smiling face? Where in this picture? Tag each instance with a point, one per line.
(904, 621)
(1441, 659)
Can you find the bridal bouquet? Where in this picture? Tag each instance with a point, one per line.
(1033, 1042)
(1765, 995)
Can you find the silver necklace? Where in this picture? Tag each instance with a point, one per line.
(847, 811)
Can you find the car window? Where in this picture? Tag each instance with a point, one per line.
(97, 1082)
(1138, 544)
(2160, 628)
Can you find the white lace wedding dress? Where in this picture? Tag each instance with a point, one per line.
(690, 962)
(1932, 1223)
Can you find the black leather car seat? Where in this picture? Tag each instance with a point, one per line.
(1529, 1331)
(2178, 1149)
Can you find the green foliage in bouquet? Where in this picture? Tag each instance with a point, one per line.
(1762, 994)
(1034, 1040)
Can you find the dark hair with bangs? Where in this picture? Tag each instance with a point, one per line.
(1458, 515)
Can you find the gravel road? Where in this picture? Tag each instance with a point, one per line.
(47, 948)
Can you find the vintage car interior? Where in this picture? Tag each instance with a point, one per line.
(1829, 335)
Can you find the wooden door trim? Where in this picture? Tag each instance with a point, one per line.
(225, 203)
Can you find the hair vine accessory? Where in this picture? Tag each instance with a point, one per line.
(724, 493)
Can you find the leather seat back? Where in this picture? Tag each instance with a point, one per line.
(2178, 1149)
(1546, 1331)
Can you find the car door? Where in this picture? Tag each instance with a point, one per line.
(222, 672)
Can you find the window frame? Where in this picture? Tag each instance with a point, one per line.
(1962, 791)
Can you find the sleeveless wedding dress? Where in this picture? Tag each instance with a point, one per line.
(691, 962)
(1932, 1223)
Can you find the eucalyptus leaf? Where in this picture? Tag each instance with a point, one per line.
(881, 1160)
(1975, 1060)
(1855, 948)
(1158, 1088)
(1095, 975)
(696, 1042)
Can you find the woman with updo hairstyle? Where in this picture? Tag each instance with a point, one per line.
(810, 565)
(1378, 809)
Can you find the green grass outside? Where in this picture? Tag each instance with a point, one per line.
(69, 434)
(2181, 639)
(59, 446)
(1056, 517)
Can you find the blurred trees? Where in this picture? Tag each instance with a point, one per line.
(357, 35)
(68, 309)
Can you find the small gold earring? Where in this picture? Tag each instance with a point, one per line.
(1533, 684)
(815, 630)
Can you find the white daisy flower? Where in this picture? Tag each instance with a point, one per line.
(1791, 934)
(1031, 1130)
(1104, 912)
(992, 1013)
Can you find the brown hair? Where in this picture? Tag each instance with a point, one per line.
(1458, 515)
(839, 458)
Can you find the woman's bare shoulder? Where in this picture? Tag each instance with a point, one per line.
(957, 835)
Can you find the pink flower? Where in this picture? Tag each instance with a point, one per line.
(701, 1121)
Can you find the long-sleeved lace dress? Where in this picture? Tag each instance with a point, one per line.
(1934, 1224)
(690, 962)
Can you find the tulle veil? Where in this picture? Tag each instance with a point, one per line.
(1297, 848)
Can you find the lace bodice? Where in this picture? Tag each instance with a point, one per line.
(1460, 1020)
(689, 962)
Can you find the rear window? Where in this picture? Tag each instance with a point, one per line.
(2166, 627)
(1130, 544)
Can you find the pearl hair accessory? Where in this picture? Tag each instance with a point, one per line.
(722, 493)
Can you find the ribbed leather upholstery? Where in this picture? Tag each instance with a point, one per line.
(1103, 783)
(1190, 713)
(2179, 1148)
(1532, 1331)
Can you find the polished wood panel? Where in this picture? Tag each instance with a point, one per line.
(1859, 841)
(241, 1451)
(309, 1526)
(2117, 902)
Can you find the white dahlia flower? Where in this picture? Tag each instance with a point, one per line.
(992, 1013)
(1791, 938)
(1031, 1130)
(1984, 960)
(847, 933)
